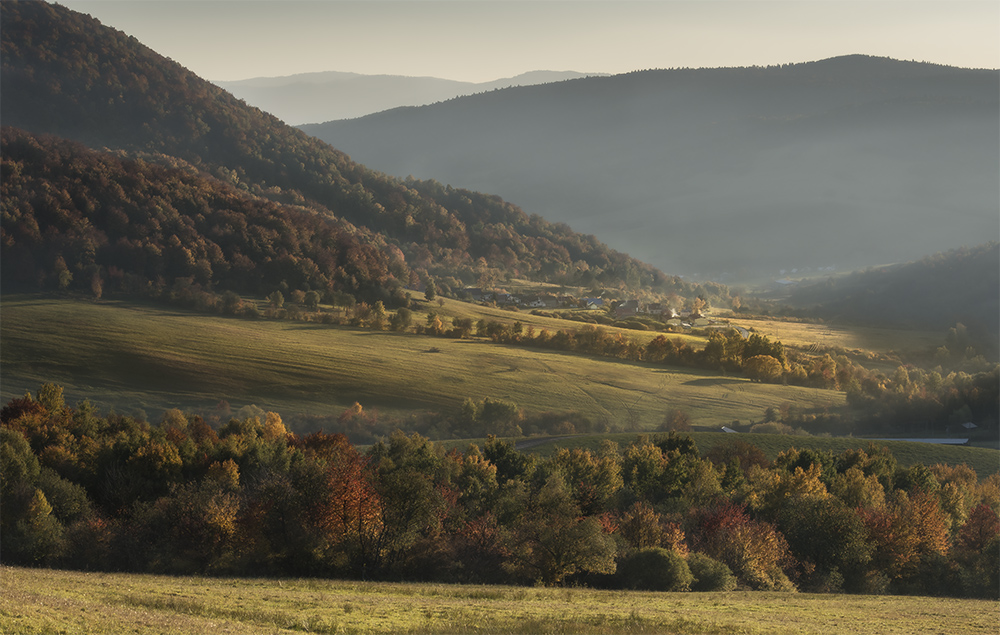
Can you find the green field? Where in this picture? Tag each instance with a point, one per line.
(131, 356)
(803, 335)
(47, 601)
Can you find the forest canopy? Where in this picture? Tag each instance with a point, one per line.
(110, 492)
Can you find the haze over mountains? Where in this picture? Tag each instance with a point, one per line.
(318, 97)
(961, 286)
(729, 173)
(66, 75)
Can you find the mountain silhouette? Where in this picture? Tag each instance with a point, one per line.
(65, 75)
(323, 96)
(730, 173)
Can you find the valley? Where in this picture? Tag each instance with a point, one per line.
(545, 363)
(726, 174)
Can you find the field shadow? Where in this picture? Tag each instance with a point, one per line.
(712, 381)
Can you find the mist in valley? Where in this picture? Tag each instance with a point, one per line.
(737, 175)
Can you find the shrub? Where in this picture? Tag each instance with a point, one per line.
(709, 574)
(655, 569)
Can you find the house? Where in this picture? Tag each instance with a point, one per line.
(549, 301)
(475, 294)
(627, 309)
(593, 303)
(533, 301)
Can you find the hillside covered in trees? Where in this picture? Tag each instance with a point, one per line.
(64, 74)
(936, 292)
(730, 173)
(77, 218)
(82, 490)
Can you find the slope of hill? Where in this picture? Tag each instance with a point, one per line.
(65, 74)
(957, 287)
(842, 163)
(77, 218)
(315, 97)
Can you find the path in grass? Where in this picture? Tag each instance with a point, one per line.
(41, 600)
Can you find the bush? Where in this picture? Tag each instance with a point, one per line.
(655, 569)
(710, 574)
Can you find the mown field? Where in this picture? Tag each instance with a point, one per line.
(131, 356)
(865, 338)
(48, 601)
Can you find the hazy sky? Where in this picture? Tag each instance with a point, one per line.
(481, 40)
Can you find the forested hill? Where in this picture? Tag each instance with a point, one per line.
(65, 74)
(844, 163)
(937, 292)
(75, 218)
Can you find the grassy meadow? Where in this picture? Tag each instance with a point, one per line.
(807, 335)
(49, 601)
(141, 356)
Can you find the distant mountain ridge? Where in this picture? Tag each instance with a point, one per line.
(325, 96)
(732, 173)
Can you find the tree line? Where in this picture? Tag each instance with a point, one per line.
(910, 399)
(110, 492)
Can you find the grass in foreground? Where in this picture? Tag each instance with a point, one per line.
(47, 601)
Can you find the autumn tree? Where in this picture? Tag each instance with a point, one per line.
(977, 550)
(909, 532)
(311, 300)
(754, 550)
(763, 368)
(642, 527)
(555, 541)
(830, 541)
(401, 319)
(593, 478)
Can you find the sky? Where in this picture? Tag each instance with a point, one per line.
(483, 40)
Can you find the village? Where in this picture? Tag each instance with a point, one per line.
(686, 318)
